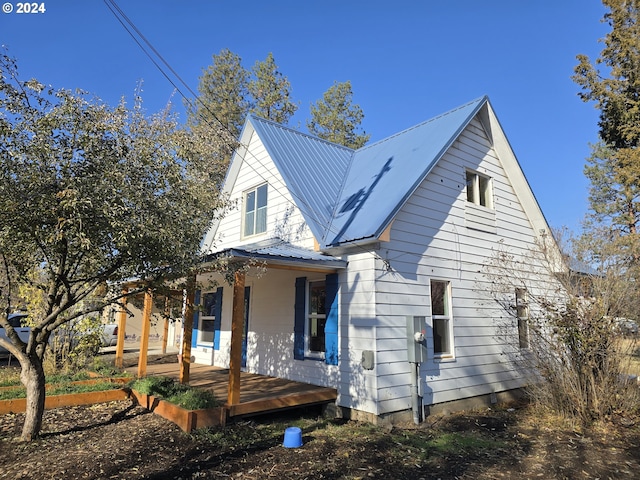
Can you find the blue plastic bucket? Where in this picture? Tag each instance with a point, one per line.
(292, 437)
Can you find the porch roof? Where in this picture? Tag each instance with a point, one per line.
(276, 251)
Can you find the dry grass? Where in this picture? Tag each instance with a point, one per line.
(631, 348)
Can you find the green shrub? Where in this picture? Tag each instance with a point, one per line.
(156, 386)
(168, 389)
(193, 399)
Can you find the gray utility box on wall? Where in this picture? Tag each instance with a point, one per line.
(416, 339)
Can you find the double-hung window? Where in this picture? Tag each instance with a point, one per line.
(441, 318)
(255, 211)
(316, 319)
(522, 312)
(479, 189)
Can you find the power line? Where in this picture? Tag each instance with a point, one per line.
(130, 27)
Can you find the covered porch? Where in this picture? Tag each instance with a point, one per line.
(264, 390)
(258, 393)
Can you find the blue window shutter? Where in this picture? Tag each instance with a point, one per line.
(196, 317)
(299, 318)
(218, 321)
(331, 325)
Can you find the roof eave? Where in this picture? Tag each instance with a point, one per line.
(243, 256)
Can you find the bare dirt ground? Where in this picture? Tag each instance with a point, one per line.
(119, 440)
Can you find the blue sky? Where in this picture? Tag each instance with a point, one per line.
(407, 61)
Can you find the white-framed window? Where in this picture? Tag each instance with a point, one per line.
(522, 313)
(441, 318)
(255, 211)
(316, 319)
(479, 190)
(206, 329)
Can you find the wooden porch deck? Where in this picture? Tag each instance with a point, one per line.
(258, 393)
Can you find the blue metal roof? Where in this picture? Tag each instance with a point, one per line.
(388, 172)
(348, 196)
(313, 169)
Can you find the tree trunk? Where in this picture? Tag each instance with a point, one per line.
(32, 377)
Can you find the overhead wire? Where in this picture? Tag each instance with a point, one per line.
(128, 25)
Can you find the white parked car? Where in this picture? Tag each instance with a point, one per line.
(109, 335)
(16, 320)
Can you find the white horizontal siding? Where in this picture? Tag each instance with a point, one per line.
(430, 238)
(358, 331)
(283, 217)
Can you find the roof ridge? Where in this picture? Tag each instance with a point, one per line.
(414, 127)
(336, 205)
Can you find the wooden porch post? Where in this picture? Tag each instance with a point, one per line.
(144, 336)
(185, 357)
(165, 333)
(237, 325)
(122, 324)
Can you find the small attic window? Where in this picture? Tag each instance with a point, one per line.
(479, 189)
(351, 202)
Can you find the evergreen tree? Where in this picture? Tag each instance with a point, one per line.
(336, 119)
(611, 240)
(614, 166)
(224, 94)
(271, 92)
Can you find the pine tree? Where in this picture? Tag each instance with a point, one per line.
(336, 119)
(271, 92)
(614, 166)
(224, 94)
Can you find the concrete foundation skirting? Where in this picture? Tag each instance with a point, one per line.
(404, 416)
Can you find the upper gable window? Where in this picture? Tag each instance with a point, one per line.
(479, 189)
(255, 211)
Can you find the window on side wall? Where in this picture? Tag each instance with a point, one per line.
(206, 332)
(255, 211)
(522, 312)
(441, 318)
(316, 319)
(479, 189)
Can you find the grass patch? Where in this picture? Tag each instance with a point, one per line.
(67, 377)
(107, 370)
(168, 389)
(61, 388)
(10, 394)
(67, 388)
